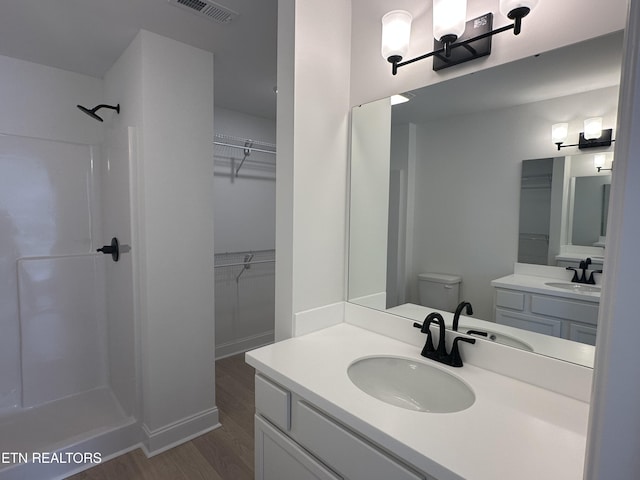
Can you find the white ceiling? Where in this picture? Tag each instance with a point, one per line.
(87, 36)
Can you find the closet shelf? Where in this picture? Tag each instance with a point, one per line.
(244, 259)
(247, 145)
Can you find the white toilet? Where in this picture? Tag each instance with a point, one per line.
(439, 290)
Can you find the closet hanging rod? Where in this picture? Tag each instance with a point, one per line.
(241, 264)
(242, 147)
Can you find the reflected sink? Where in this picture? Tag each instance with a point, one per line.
(575, 287)
(497, 337)
(410, 384)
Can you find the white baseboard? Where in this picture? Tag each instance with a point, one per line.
(165, 438)
(243, 344)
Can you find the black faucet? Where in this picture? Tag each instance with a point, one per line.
(440, 354)
(456, 315)
(584, 266)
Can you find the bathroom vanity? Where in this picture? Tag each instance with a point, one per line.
(548, 305)
(313, 422)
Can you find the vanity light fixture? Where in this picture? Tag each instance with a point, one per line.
(450, 31)
(599, 161)
(592, 137)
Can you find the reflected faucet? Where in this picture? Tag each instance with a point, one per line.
(456, 315)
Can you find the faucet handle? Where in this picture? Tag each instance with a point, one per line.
(477, 332)
(592, 280)
(454, 357)
(575, 274)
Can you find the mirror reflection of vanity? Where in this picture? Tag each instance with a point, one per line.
(437, 181)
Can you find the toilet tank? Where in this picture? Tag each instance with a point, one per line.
(439, 290)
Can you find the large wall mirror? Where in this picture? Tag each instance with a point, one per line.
(463, 179)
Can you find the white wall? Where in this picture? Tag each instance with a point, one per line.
(244, 207)
(614, 426)
(123, 85)
(175, 239)
(551, 25)
(40, 102)
(245, 219)
(475, 184)
(312, 138)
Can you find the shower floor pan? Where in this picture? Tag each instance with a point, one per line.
(61, 424)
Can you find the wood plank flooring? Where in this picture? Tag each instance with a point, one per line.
(223, 454)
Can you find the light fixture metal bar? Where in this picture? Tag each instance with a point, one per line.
(440, 51)
(604, 140)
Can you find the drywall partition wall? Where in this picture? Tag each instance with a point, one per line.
(370, 167)
(614, 424)
(474, 188)
(551, 25)
(175, 219)
(123, 85)
(40, 102)
(312, 123)
(245, 217)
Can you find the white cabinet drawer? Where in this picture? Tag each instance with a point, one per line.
(347, 454)
(273, 402)
(565, 309)
(582, 333)
(509, 299)
(546, 326)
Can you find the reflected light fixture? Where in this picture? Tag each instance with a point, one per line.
(592, 137)
(455, 39)
(398, 99)
(599, 161)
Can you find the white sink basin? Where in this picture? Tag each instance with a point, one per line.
(575, 287)
(497, 337)
(411, 384)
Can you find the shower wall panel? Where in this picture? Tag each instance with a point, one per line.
(48, 200)
(62, 325)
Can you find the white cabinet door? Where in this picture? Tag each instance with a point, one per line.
(279, 458)
(546, 326)
(348, 454)
(579, 332)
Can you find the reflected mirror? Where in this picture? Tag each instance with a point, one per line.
(437, 195)
(564, 204)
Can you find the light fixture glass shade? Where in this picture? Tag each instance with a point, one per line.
(449, 18)
(507, 6)
(592, 128)
(396, 31)
(599, 160)
(559, 132)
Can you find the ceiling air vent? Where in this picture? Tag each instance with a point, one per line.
(206, 8)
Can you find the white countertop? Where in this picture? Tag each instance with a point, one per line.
(513, 431)
(536, 284)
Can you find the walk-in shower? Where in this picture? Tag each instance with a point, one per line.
(67, 349)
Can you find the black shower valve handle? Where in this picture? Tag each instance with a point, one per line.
(113, 249)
